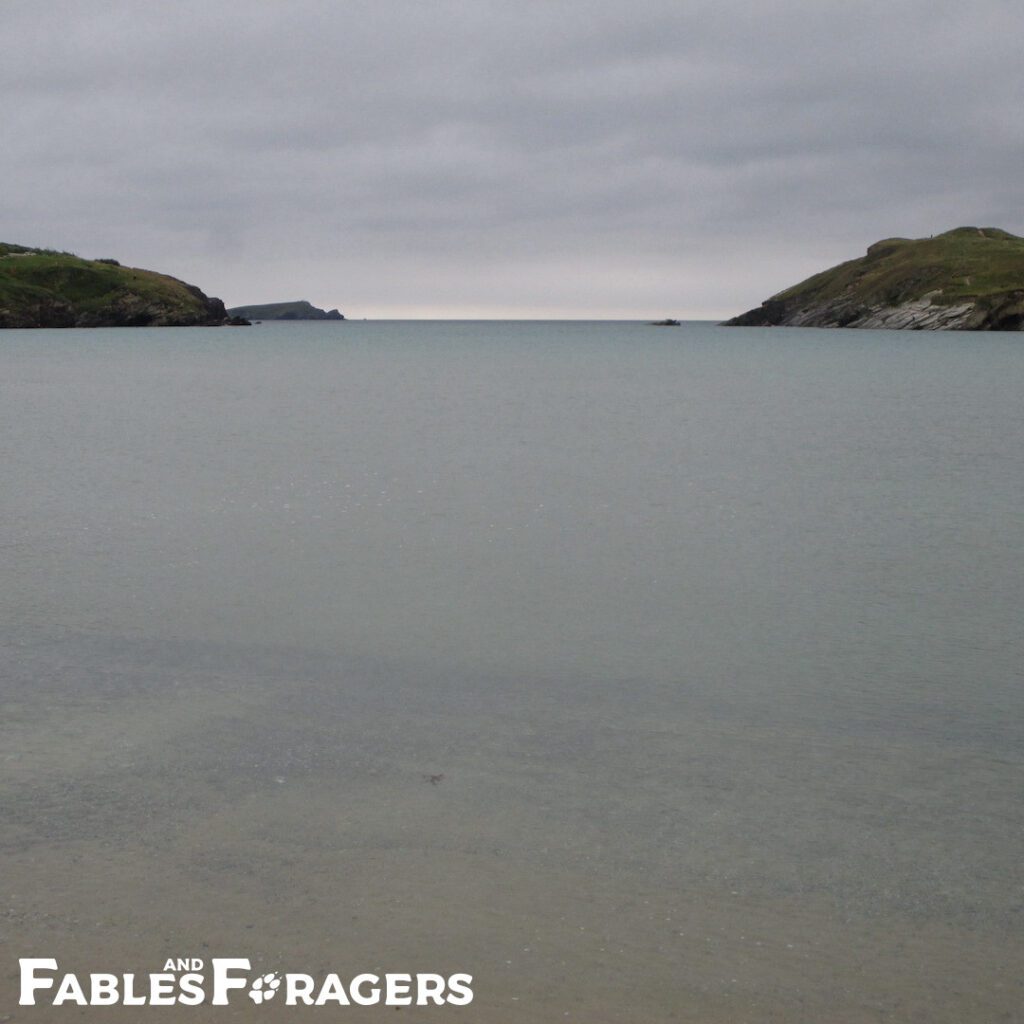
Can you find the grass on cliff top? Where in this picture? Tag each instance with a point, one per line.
(28, 275)
(965, 264)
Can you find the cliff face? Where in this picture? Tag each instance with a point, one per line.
(42, 288)
(968, 279)
(300, 310)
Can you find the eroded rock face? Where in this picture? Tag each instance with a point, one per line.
(969, 279)
(47, 312)
(923, 314)
(130, 310)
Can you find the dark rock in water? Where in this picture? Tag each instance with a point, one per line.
(237, 321)
(667, 322)
(968, 279)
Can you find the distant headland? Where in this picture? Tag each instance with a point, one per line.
(301, 310)
(967, 279)
(46, 288)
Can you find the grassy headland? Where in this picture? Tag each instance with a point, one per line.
(965, 279)
(46, 288)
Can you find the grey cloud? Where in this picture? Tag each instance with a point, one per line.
(568, 157)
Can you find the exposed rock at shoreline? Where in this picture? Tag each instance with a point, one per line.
(44, 288)
(300, 310)
(968, 279)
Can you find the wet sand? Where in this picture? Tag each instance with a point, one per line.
(177, 810)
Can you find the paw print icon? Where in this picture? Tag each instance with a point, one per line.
(264, 988)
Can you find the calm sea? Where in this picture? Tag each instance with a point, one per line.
(643, 674)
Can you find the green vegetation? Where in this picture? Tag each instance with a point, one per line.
(967, 278)
(963, 263)
(301, 310)
(45, 288)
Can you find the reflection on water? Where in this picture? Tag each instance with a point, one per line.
(643, 679)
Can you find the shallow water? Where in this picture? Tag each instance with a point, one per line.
(712, 634)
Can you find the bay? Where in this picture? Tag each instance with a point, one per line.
(644, 674)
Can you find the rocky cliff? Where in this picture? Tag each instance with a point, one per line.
(43, 288)
(968, 279)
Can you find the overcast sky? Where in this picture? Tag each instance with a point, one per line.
(565, 158)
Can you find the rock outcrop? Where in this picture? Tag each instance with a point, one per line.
(968, 279)
(43, 288)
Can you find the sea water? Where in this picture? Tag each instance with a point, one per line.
(644, 674)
